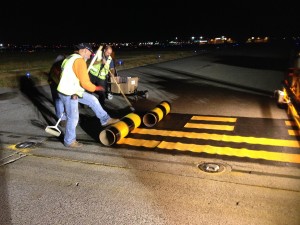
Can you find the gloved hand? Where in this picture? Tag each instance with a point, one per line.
(99, 88)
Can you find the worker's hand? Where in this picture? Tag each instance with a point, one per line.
(99, 88)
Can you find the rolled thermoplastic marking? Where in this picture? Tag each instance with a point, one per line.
(155, 115)
(119, 130)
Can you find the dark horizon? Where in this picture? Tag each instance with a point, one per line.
(58, 23)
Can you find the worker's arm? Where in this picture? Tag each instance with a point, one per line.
(112, 68)
(80, 69)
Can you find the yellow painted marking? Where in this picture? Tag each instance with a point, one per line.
(219, 137)
(290, 123)
(238, 152)
(12, 147)
(211, 118)
(23, 150)
(139, 142)
(294, 132)
(209, 126)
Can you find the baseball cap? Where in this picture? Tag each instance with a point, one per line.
(85, 45)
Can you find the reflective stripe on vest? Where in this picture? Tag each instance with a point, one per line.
(69, 83)
(104, 71)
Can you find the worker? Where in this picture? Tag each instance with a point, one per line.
(53, 80)
(101, 71)
(71, 90)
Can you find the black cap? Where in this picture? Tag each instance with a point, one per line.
(85, 45)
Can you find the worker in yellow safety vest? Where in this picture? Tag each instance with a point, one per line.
(73, 88)
(101, 71)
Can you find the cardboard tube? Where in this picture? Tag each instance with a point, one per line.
(152, 117)
(119, 130)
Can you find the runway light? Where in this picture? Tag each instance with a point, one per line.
(120, 62)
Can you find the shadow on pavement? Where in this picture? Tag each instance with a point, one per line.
(5, 212)
(37, 97)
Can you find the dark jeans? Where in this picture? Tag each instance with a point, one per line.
(102, 95)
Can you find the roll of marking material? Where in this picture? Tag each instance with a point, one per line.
(115, 132)
(152, 117)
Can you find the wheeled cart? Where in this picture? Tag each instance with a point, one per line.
(128, 85)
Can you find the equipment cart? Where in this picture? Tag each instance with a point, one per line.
(128, 85)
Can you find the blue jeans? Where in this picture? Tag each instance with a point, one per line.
(58, 104)
(72, 113)
(91, 101)
(59, 109)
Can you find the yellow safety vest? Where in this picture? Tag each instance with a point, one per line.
(104, 71)
(69, 83)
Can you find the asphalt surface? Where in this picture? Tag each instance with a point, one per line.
(224, 154)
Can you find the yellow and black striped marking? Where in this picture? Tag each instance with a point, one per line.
(293, 130)
(152, 117)
(238, 137)
(112, 134)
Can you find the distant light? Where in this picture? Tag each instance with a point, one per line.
(120, 62)
(27, 74)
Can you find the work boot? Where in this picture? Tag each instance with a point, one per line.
(74, 144)
(111, 121)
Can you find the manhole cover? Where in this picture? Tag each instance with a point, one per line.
(211, 167)
(27, 144)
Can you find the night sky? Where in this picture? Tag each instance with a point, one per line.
(45, 22)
